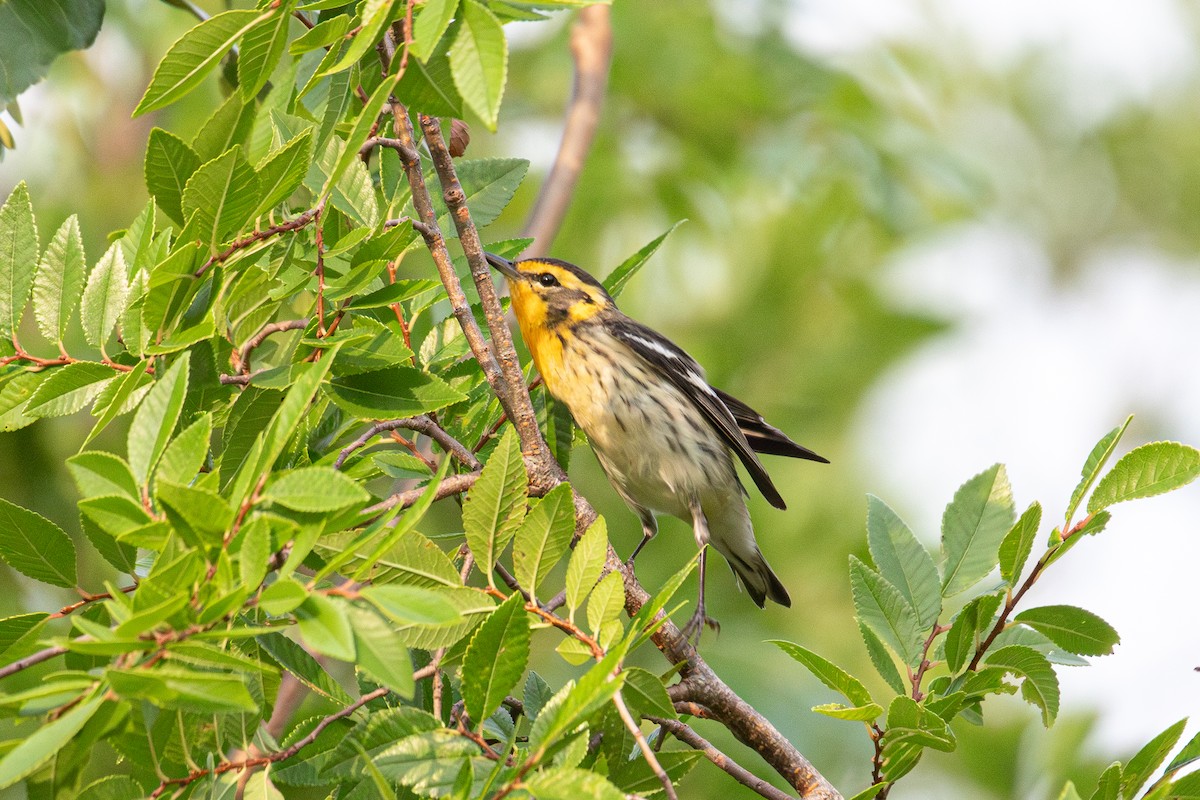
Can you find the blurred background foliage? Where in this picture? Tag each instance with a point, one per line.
(802, 174)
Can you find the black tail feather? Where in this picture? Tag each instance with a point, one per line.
(762, 436)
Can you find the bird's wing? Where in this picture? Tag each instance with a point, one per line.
(688, 377)
(762, 436)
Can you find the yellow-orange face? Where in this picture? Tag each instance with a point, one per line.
(549, 296)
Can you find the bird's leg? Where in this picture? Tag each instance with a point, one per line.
(649, 529)
(695, 626)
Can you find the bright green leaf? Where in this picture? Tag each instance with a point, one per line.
(325, 626)
(1073, 629)
(617, 279)
(155, 419)
(882, 608)
(104, 296)
(495, 659)
(973, 526)
(1145, 471)
(35, 546)
(59, 280)
(18, 258)
(1148, 759)
(587, 561)
(169, 163)
(543, 537)
(1018, 543)
(495, 505)
(1040, 686)
(390, 393)
(828, 673)
(69, 388)
(315, 489)
(44, 743)
(903, 561)
(479, 61)
(221, 196)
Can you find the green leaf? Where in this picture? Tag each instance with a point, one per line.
(390, 393)
(617, 279)
(33, 33)
(587, 561)
(495, 505)
(14, 396)
(479, 61)
(430, 25)
(293, 658)
(882, 608)
(354, 195)
(260, 51)
(17, 629)
(881, 659)
(315, 489)
(411, 605)
(1018, 543)
(169, 163)
(1073, 629)
(562, 783)
(1186, 788)
(903, 561)
(1095, 462)
(968, 629)
(428, 87)
(283, 171)
(221, 196)
(325, 626)
(359, 132)
(828, 673)
(104, 296)
(69, 388)
(380, 653)
(543, 537)
(974, 524)
(18, 258)
(194, 55)
(187, 452)
(1109, 785)
(98, 474)
(282, 597)
(428, 763)
(184, 689)
(201, 517)
(59, 281)
(119, 397)
(870, 792)
(35, 546)
(1187, 755)
(646, 695)
(605, 604)
(910, 722)
(155, 419)
(374, 16)
(1146, 471)
(44, 743)
(1149, 758)
(1040, 686)
(488, 184)
(495, 659)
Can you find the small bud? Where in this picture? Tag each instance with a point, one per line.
(460, 137)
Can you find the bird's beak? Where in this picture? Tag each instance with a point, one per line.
(505, 266)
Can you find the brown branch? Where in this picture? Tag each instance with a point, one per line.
(513, 395)
(453, 484)
(31, 660)
(917, 675)
(257, 339)
(88, 598)
(591, 48)
(688, 736)
(1009, 605)
(422, 424)
(258, 236)
(877, 733)
(651, 759)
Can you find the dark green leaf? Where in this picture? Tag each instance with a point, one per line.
(1018, 543)
(489, 184)
(495, 505)
(428, 86)
(283, 171)
(968, 629)
(35, 32)
(390, 393)
(293, 658)
(646, 695)
(543, 537)
(16, 628)
(194, 55)
(1040, 686)
(882, 608)
(1146, 471)
(903, 561)
(1073, 629)
(973, 526)
(35, 546)
(315, 489)
(623, 274)
(495, 659)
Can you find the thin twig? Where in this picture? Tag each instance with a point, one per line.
(688, 736)
(591, 48)
(258, 236)
(29, 661)
(452, 484)
(647, 751)
(257, 339)
(422, 424)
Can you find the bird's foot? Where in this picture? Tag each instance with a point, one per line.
(695, 626)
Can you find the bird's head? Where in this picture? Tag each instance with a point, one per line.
(548, 293)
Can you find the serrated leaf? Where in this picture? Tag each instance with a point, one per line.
(69, 388)
(260, 51)
(380, 654)
(910, 722)
(903, 561)
(1073, 629)
(184, 689)
(1148, 759)
(119, 397)
(606, 602)
(495, 659)
(359, 132)
(1040, 686)
(315, 489)
(488, 185)
(495, 505)
(155, 419)
(391, 393)
(35, 546)
(560, 783)
(374, 16)
(882, 608)
(293, 658)
(617, 279)
(1145, 471)
(881, 659)
(170, 162)
(1095, 462)
(325, 626)
(965, 632)
(428, 87)
(479, 61)
(44, 743)
(18, 258)
(973, 526)
(1186, 788)
(430, 25)
(283, 171)
(14, 396)
(587, 561)
(194, 55)
(543, 537)
(187, 452)
(828, 673)
(646, 695)
(1109, 785)
(412, 605)
(354, 195)
(1018, 543)
(104, 296)
(59, 280)
(1188, 754)
(221, 196)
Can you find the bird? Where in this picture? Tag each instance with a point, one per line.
(664, 437)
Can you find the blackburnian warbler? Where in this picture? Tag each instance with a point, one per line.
(664, 437)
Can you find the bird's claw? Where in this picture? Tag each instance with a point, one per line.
(695, 626)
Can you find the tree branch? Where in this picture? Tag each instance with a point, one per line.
(453, 484)
(257, 339)
(685, 734)
(422, 424)
(591, 48)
